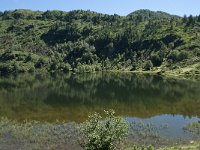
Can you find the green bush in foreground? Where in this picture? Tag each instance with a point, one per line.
(103, 134)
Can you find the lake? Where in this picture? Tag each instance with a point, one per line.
(168, 104)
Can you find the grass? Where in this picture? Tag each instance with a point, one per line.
(36, 134)
(193, 127)
(194, 146)
(59, 135)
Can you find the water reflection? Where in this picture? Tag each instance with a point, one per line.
(71, 97)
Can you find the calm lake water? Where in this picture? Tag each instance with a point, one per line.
(70, 97)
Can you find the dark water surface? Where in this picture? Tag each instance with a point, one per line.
(70, 97)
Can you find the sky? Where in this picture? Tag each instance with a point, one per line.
(120, 7)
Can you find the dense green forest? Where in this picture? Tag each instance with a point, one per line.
(87, 41)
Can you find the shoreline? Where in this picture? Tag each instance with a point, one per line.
(167, 74)
(64, 136)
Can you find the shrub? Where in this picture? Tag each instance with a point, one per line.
(8, 56)
(31, 69)
(6, 68)
(183, 55)
(148, 65)
(28, 58)
(81, 68)
(40, 63)
(174, 55)
(197, 52)
(101, 134)
(66, 67)
(134, 66)
(156, 60)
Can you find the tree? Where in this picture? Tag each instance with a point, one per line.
(66, 67)
(29, 57)
(174, 55)
(89, 38)
(191, 20)
(198, 19)
(102, 134)
(156, 60)
(172, 23)
(54, 15)
(148, 65)
(185, 19)
(40, 63)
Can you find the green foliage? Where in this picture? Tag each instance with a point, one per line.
(184, 19)
(66, 67)
(156, 60)
(44, 135)
(198, 19)
(41, 63)
(103, 134)
(183, 55)
(148, 65)
(86, 41)
(6, 68)
(174, 55)
(191, 20)
(178, 56)
(84, 68)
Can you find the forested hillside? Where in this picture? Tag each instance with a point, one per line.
(86, 41)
